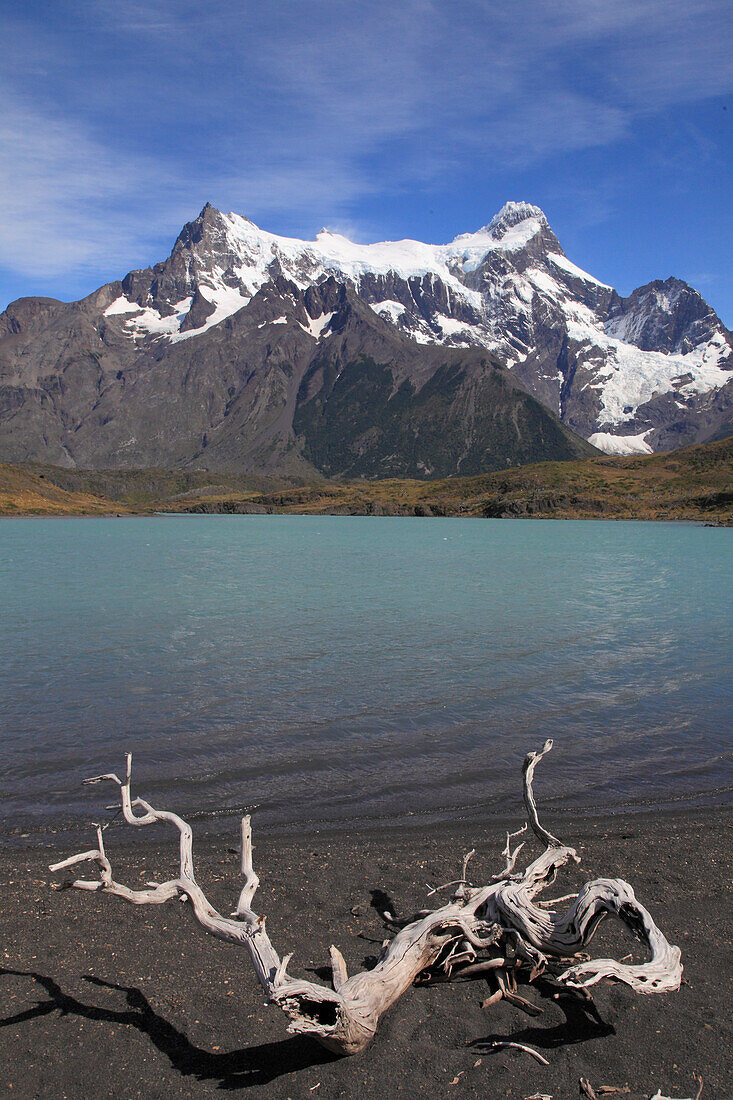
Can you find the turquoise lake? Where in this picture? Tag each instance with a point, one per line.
(321, 670)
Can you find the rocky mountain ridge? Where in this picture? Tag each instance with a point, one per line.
(639, 373)
(243, 347)
(299, 382)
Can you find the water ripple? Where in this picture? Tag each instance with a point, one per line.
(352, 668)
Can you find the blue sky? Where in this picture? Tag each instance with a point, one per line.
(119, 120)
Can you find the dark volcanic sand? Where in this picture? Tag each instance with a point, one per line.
(100, 999)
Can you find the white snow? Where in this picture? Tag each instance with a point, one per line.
(471, 249)
(621, 444)
(227, 300)
(332, 253)
(148, 322)
(629, 377)
(121, 305)
(506, 307)
(389, 309)
(407, 258)
(564, 263)
(450, 326)
(318, 325)
(421, 337)
(544, 282)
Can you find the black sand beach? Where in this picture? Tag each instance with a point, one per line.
(101, 999)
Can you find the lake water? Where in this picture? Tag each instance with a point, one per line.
(320, 670)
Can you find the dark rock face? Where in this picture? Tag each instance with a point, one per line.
(246, 350)
(199, 312)
(261, 393)
(27, 314)
(664, 316)
(466, 418)
(532, 504)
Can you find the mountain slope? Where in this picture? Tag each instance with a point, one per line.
(244, 394)
(25, 492)
(647, 370)
(267, 353)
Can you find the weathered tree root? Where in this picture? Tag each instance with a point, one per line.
(469, 935)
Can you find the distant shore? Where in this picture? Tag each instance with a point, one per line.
(694, 484)
(103, 999)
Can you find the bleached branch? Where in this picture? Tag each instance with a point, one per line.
(468, 936)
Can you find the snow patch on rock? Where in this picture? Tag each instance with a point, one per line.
(629, 377)
(148, 322)
(388, 309)
(317, 326)
(564, 263)
(227, 301)
(621, 444)
(121, 305)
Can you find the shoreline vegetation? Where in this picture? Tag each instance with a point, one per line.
(101, 998)
(692, 484)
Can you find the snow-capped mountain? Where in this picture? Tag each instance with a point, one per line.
(250, 350)
(633, 374)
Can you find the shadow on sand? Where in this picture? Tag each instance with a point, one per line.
(582, 1021)
(257, 1065)
(236, 1069)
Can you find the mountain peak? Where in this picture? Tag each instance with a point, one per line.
(511, 214)
(212, 215)
(208, 212)
(647, 372)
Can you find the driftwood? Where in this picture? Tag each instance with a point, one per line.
(491, 929)
(587, 1092)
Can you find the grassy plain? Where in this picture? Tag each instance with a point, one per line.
(694, 484)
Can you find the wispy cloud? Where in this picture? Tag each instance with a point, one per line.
(69, 199)
(120, 119)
